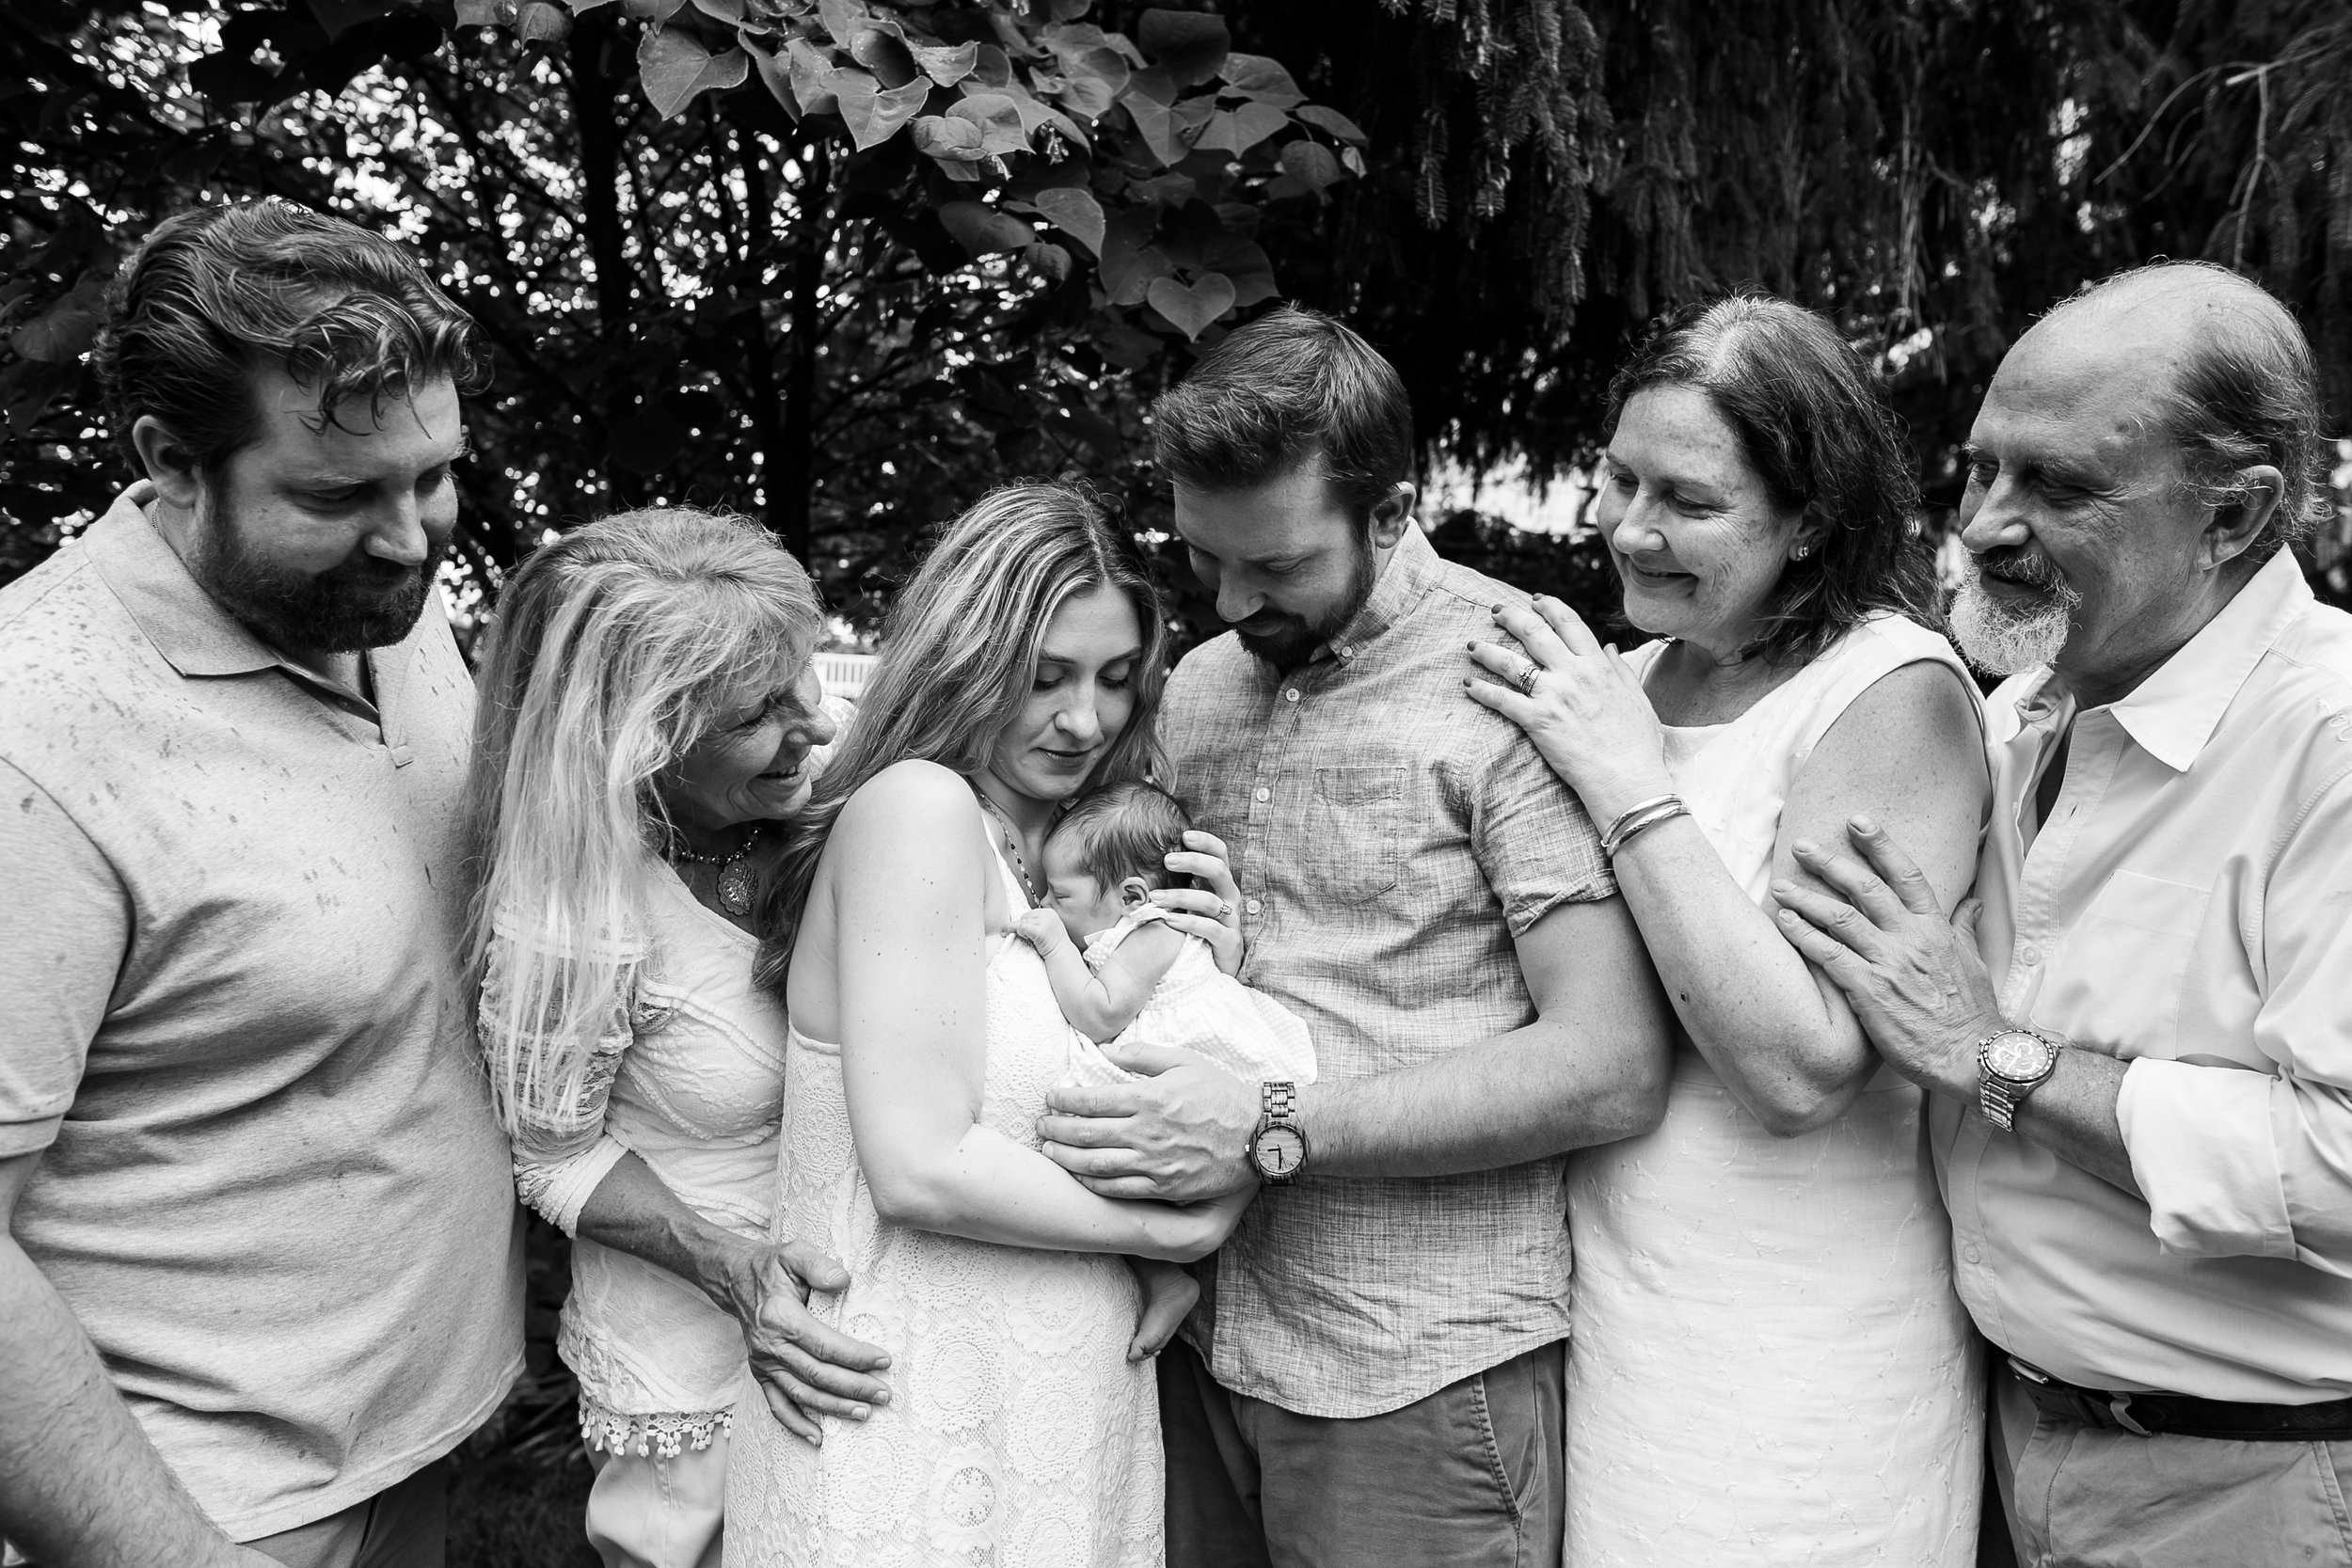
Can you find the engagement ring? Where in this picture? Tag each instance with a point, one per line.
(1525, 680)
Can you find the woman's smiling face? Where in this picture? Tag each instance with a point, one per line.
(752, 763)
(1080, 697)
(1695, 535)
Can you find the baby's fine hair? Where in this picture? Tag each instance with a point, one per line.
(1125, 830)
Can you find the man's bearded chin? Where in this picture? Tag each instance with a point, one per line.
(2004, 636)
(363, 603)
(1299, 637)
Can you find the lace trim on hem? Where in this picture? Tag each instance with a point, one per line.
(661, 1436)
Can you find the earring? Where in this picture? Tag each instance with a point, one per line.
(1800, 552)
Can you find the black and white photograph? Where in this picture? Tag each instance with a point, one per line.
(1244, 784)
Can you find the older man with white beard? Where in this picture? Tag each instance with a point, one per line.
(2138, 1036)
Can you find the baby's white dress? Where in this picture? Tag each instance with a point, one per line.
(1198, 1006)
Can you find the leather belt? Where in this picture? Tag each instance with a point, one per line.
(2156, 1413)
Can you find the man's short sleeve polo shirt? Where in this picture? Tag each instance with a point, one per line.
(232, 1024)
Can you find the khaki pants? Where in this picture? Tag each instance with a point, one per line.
(405, 1525)
(1469, 1477)
(2082, 1497)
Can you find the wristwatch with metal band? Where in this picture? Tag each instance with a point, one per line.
(1278, 1147)
(2010, 1065)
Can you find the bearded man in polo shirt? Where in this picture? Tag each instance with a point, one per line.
(2138, 1036)
(262, 1268)
(1375, 1374)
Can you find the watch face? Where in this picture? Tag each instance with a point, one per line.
(1280, 1150)
(2016, 1054)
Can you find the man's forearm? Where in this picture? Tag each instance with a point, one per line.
(80, 1485)
(2073, 1115)
(1539, 1090)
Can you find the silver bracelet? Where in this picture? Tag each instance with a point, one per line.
(1635, 819)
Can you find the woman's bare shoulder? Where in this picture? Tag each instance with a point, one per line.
(911, 798)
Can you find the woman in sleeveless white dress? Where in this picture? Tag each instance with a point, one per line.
(1769, 1355)
(1769, 1364)
(1017, 1431)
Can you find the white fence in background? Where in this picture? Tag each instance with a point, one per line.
(843, 674)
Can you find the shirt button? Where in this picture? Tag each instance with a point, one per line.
(1265, 794)
(1292, 695)
(1971, 1254)
(1254, 905)
(2032, 954)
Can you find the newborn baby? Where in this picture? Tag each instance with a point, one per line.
(1126, 978)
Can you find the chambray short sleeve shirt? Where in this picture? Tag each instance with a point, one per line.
(1390, 838)
(232, 1025)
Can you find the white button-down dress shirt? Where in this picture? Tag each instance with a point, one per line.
(2187, 906)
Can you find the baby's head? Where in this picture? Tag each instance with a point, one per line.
(1108, 855)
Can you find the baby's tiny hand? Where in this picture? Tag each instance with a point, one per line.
(1042, 929)
(1169, 1295)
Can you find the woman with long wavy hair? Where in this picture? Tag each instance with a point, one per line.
(647, 721)
(1023, 664)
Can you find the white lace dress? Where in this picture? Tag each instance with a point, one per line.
(689, 1075)
(1018, 1435)
(1769, 1364)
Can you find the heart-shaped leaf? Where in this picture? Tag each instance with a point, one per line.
(1334, 122)
(774, 71)
(842, 18)
(1073, 210)
(1260, 79)
(1190, 310)
(732, 12)
(879, 49)
(1312, 163)
(944, 65)
(810, 72)
(983, 230)
(542, 21)
(1243, 128)
(948, 137)
(674, 66)
(872, 113)
(1189, 45)
(999, 119)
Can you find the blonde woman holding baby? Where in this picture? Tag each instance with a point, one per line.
(1022, 666)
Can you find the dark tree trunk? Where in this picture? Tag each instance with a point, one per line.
(794, 467)
(595, 116)
(759, 353)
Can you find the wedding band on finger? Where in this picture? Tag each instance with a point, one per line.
(1225, 909)
(1525, 680)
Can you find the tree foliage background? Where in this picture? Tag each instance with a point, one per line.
(843, 265)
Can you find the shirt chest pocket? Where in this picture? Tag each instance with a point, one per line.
(2118, 976)
(1355, 832)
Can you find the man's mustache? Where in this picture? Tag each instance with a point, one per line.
(2022, 565)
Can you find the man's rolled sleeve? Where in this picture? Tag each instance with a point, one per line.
(2248, 1164)
(64, 929)
(1533, 842)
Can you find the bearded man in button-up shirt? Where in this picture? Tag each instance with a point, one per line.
(2139, 1033)
(1374, 1374)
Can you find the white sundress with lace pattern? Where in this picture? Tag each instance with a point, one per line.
(1018, 1435)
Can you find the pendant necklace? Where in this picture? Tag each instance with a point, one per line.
(1012, 844)
(736, 881)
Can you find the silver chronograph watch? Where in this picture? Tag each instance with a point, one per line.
(1278, 1149)
(2010, 1065)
